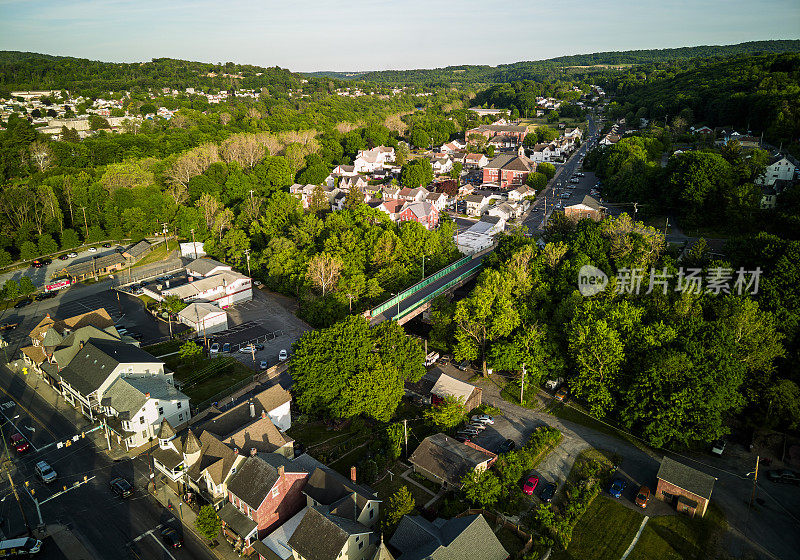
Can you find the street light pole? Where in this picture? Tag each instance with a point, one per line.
(247, 254)
(194, 245)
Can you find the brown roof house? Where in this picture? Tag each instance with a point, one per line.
(446, 386)
(445, 460)
(688, 489)
(587, 208)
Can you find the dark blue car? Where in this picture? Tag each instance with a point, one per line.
(617, 487)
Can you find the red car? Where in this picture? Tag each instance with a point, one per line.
(530, 485)
(19, 443)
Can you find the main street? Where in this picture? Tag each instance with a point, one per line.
(107, 526)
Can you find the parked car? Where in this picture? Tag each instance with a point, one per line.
(283, 355)
(719, 447)
(107, 245)
(47, 261)
(249, 349)
(617, 487)
(63, 257)
(22, 303)
(214, 348)
(642, 497)
(477, 425)
(483, 418)
(468, 430)
(45, 295)
(121, 487)
(171, 537)
(263, 364)
(530, 484)
(784, 475)
(19, 443)
(462, 365)
(72, 255)
(507, 445)
(259, 347)
(226, 347)
(92, 249)
(562, 393)
(10, 326)
(45, 472)
(548, 491)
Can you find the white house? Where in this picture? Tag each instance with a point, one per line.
(476, 161)
(476, 204)
(193, 250)
(204, 318)
(452, 147)
(368, 161)
(222, 289)
(205, 267)
(442, 165)
(520, 193)
(439, 200)
(779, 169)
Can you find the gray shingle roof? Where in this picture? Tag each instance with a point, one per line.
(139, 249)
(203, 265)
(684, 476)
(447, 458)
(322, 537)
(462, 538)
(236, 520)
(253, 481)
(327, 487)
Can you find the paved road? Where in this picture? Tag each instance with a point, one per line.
(108, 527)
(43, 275)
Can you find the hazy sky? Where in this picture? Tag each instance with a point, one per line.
(378, 34)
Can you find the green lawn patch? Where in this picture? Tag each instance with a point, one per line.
(159, 253)
(164, 347)
(603, 532)
(391, 483)
(680, 537)
(208, 377)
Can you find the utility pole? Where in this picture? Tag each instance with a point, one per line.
(85, 223)
(522, 385)
(164, 231)
(423, 266)
(666, 226)
(247, 254)
(405, 434)
(194, 245)
(635, 210)
(755, 480)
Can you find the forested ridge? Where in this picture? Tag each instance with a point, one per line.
(560, 66)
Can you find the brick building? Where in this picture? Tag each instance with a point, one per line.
(509, 170)
(688, 489)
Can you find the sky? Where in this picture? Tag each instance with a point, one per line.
(357, 35)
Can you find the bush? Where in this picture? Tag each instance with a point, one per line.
(207, 522)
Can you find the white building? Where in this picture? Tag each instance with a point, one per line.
(192, 250)
(480, 236)
(779, 169)
(368, 161)
(222, 289)
(204, 318)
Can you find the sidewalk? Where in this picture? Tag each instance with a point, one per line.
(166, 496)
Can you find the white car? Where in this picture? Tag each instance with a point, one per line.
(483, 419)
(247, 349)
(72, 255)
(214, 348)
(283, 355)
(92, 249)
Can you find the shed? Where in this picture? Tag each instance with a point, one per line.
(204, 318)
(446, 386)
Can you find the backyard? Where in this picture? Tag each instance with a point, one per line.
(603, 532)
(207, 377)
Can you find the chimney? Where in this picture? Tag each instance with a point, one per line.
(252, 410)
(81, 345)
(263, 414)
(281, 472)
(253, 451)
(147, 395)
(353, 473)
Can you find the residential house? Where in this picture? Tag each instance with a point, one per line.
(439, 200)
(137, 251)
(780, 168)
(520, 193)
(544, 152)
(204, 318)
(504, 211)
(336, 494)
(476, 204)
(326, 536)
(587, 208)
(413, 195)
(573, 133)
(509, 170)
(391, 192)
(476, 161)
(462, 538)
(347, 183)
(609, 139)
(367, 161)
(704, 130)
(688, 489)
(769, 197)
(344, 171)
(392, 207)
(424, 213)
(446, 461)
(263, 493)
(442, 165)
(453, 147)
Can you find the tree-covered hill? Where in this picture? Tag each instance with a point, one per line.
(33, 71)
(561, 65)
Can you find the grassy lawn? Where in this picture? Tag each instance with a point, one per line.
(604, 532)
(389, 485)
(159, 253)
(230, 372)
(164, 347)
(680, 537)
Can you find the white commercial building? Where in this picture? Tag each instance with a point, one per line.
(222, 289)
(204, 318)
(480, 236)
(192, 250)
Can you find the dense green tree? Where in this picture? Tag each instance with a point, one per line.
(26, 286)
(401, 503)
(537, 181)
(28, 251)
(208, 523)
(69, 239)
(447, 414)
(482, 487)
(47, 245)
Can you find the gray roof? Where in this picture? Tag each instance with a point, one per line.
(448, 459)
(129, 394)
(204, 265)
(687, 478)
(327, 487)
(51, 338)
(321, 536)
(590, 202)
(461, 538)
(253, 481)
(138, 249)
(236, 520)
(90, 366)
(96, 263)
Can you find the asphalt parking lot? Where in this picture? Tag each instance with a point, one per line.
(274, 314)
(43, 275)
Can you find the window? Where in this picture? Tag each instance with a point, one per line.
(371, 513)
(141, 419)
(179, 405)
(275, 492)
(180, 416)
(144, 434)
(360, 545)
(160, 410)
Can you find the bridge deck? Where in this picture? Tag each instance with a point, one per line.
(410, 303)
